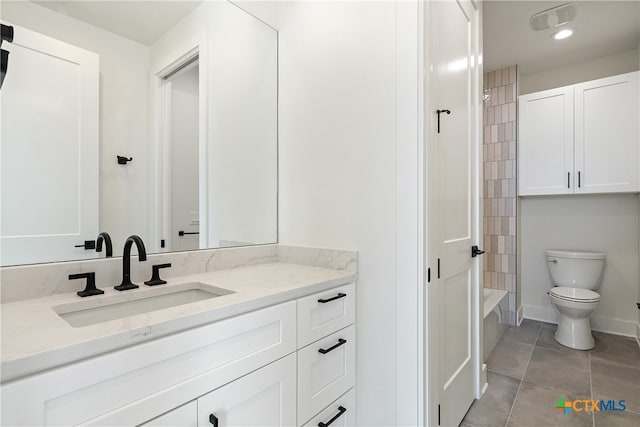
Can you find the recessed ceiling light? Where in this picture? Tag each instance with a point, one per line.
(562, 34)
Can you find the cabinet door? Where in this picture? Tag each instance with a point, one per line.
(266, 397)
(546, 142)
(607, 132)
(184, 416)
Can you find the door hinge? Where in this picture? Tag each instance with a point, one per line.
(429, 275)
(438, 268)
(438, 414)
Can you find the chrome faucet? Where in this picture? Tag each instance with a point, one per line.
(126, 262)
(104, 236)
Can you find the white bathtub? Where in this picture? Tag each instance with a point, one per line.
(495, 318)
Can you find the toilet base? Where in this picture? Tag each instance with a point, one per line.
(574, 333)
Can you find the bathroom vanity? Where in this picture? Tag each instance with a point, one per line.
(271, 343)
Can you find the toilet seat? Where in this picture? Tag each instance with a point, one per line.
(574, 294)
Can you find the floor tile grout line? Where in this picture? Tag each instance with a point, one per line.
(515, 398)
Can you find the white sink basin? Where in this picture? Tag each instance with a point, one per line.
(131, 303)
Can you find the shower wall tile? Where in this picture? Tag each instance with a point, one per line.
(499, 181)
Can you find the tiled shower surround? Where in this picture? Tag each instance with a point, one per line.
(499, 183)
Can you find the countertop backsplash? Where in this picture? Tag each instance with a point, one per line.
(39, 280)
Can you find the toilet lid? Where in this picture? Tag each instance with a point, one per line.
(575, 294)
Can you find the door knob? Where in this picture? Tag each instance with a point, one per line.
(475, 251)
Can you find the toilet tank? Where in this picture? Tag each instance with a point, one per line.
(575, 269)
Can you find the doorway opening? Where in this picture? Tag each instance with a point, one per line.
(184, 210)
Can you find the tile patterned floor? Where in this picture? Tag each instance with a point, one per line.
(528, 371)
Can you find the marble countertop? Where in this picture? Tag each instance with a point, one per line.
(34, 338)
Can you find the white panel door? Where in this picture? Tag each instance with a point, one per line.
(266, 397)
(455, 156)
(49, 150)
(545, 148)
(607, 134)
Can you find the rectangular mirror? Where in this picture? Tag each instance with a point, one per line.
(155, 118)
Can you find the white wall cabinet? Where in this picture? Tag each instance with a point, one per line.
(582, 138)
(244, 370)
(546, 142)
(607, 123)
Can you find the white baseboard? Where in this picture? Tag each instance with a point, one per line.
(598, 323)
(520, 314)
(483, 380)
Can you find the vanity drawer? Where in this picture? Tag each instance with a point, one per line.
(324, 313)
(342, 412)
(326, 370)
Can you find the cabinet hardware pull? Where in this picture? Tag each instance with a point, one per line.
(213, 420)
(184, 233)
(579, 179)
(568, 179)
(324, 301)
(327, 350)
(341, 410)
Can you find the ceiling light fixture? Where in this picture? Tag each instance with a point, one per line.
(562, 34)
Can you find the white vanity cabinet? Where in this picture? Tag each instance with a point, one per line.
(184, 416)
(244, 370)
(582, 138)
(340, 413)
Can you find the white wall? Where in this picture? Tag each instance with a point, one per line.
(611, 65)
(343, 142)
(124, 115)
(264, 10)
(607, 223)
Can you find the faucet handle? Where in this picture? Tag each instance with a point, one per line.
(155, 275)
(90, 288)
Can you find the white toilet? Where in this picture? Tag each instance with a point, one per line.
(576, 276)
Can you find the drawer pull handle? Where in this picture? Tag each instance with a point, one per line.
(324, 301)
(327, 350)
(341, 410)
(213, 420)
